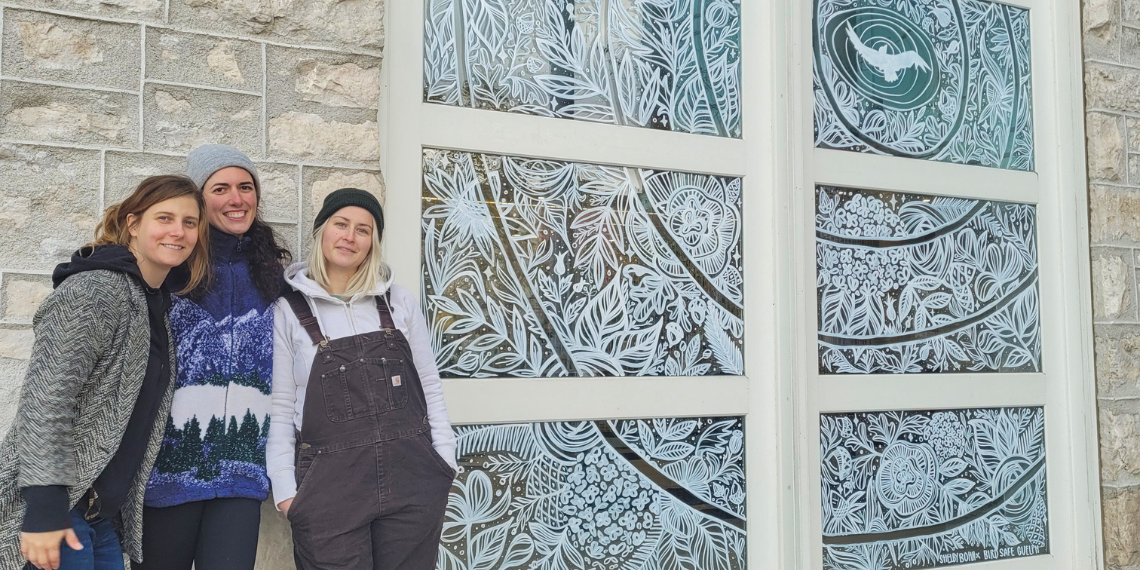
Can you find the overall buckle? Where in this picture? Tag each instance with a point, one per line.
(91, 512)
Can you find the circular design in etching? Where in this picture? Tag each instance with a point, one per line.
(896, 79)
(1021, 502)
(907, 478)
(884, 57)
(696, 221)
(700, 213)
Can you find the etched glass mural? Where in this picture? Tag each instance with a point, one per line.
(911, 283)
(945, 80)
(542, 268)
(668, 64)
(932, 488)
(618, 494)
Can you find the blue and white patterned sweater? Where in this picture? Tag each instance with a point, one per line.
(214, 445)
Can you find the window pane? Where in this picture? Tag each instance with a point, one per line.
(933, 488)
(671, 64)
(661, 493)
(945, 80)
(544, 268)
(910, 283)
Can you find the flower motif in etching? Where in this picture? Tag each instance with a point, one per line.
(907, 478)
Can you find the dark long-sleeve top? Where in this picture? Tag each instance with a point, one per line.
(48, 507)
(92, 341)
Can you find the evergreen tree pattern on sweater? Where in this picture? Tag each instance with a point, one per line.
(214, 443)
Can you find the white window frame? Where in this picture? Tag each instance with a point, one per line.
(1066, 385)
(781, 393)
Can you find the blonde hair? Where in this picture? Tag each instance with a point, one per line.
(371, 272)
(114, 228)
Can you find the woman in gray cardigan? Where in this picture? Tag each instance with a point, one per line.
(74, 464)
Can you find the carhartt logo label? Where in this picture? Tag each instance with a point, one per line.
(396, 380)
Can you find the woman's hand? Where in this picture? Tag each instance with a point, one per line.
(283, 506)
(42, 548)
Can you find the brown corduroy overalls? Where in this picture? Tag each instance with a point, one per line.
(371, 489)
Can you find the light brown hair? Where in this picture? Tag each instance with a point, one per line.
(114, 230)
(371, 272)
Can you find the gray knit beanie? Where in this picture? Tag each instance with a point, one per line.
(207, 159)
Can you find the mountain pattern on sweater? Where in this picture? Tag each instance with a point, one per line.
(214, 442)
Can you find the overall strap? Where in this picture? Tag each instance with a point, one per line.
(305, 315)
(385, 310)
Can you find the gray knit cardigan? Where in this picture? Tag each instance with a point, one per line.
(92, 341)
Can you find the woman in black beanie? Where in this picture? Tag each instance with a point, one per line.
(361, 453)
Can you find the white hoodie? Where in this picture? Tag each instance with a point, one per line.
(293, 354)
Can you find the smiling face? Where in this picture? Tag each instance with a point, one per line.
(231, 200)
(163, 236)
(347, 239)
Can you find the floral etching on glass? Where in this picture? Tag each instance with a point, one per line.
(932, 488)
(945, 80)
(541, 268)
(909, 283)
(618, 494)
(671, 64)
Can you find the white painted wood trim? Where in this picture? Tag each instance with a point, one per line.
(497, 132)
(507, 400)
(895, 174)
(854, 393)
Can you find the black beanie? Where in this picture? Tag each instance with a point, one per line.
(344, 197)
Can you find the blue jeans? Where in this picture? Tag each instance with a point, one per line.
(101, 548)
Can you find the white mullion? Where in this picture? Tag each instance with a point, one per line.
(515, 134)
(768, 427)
(1025, 4)
(1047, 147)
(499, 400)
(1071, 428)
(887, 392)
(896, 174)
(1076, 315)
(804, 362)
(403, 157)
(1066, 319)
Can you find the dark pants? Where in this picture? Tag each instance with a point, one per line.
(377, 506)
(101, 548)
(218, 534)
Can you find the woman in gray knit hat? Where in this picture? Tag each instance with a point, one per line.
(203, 500)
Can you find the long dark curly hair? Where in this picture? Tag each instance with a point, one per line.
(267, 262)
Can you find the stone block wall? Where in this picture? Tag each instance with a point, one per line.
(1112, 121)
(95, 95)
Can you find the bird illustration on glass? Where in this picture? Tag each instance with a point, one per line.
(925, 489)
(945, 80)
(643, 494)
(668, 64)
(909, 283)
(542, 268)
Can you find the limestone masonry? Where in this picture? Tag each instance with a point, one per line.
(1112, 101)
(96, 95)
